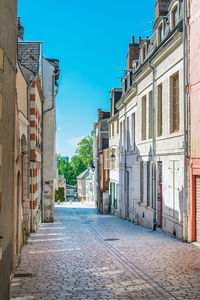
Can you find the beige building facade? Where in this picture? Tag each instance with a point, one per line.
(8, 116)
(151, 121)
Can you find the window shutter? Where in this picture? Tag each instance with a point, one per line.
(151, 184)
(136, 181)
(145, 182)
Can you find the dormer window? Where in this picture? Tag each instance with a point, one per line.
(174, 16)
(160, 33)
(144, 53)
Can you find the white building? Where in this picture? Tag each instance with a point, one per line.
(90, 184)
(113, 123)
(151, 125)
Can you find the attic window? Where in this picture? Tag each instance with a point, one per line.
(174, 16)
(160, 33)
(144, 53)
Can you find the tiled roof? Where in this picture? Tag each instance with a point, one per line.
(29, 55)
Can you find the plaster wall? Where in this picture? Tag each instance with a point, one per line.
(169, 146)
(8, 51)
(49, 138)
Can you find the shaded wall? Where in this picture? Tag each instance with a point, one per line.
(8, 50)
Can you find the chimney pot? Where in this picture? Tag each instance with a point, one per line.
(140, 39)
(133, 40)
(20, 29)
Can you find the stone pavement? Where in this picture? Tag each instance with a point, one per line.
(85, 255)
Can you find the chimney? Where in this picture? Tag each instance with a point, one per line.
(111, 104)
(100, 114)
(133, 53)
(140, 39)
(161, 8)
(20, 30)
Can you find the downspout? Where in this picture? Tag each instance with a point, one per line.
(153, 146)
(29, 146)
(32, 199)
(185, 126)
(43, 113)
(125, 164)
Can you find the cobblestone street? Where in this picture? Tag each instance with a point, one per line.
(85, 255)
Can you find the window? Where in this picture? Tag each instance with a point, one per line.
(113, 129)
(144, 53)
(160, 33)
(159, 115)
(128, 135)
(174, 17)
(174, 104)
(121, 147)
(150, 115)
(117, 126)
(144, 118)
(133, 131)
(124, 139)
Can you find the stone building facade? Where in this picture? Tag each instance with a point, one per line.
(81, 185)
(8, 115)
(50, 85)
(151, 121)
(193, 98)
(30, 57)
(101, 160)
(22, 204)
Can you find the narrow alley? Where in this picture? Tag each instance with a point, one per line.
(86, 255)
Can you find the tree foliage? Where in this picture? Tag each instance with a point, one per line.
(85, 150)
(79, 162)
(59, 195)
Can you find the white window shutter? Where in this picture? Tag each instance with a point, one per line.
(151, 184)
(145, 182)
(136, 181)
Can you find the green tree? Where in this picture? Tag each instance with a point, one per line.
(77, 165)
(69, 174)
(85, 150)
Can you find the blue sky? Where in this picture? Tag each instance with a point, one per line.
(90, 38)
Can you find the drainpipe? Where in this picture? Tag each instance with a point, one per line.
(29, 146)
(153, 146)
(43, 113)
(32, 199)
(185, 68)
(125, 163)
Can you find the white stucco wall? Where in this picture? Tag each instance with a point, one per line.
(169, 146)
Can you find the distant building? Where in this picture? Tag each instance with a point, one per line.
(81, 185)
(66, 158)
(71, 192)
(101, 160)
(90, 183)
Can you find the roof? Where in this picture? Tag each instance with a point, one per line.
(29, 54)
(83, 175)
(27, 73)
